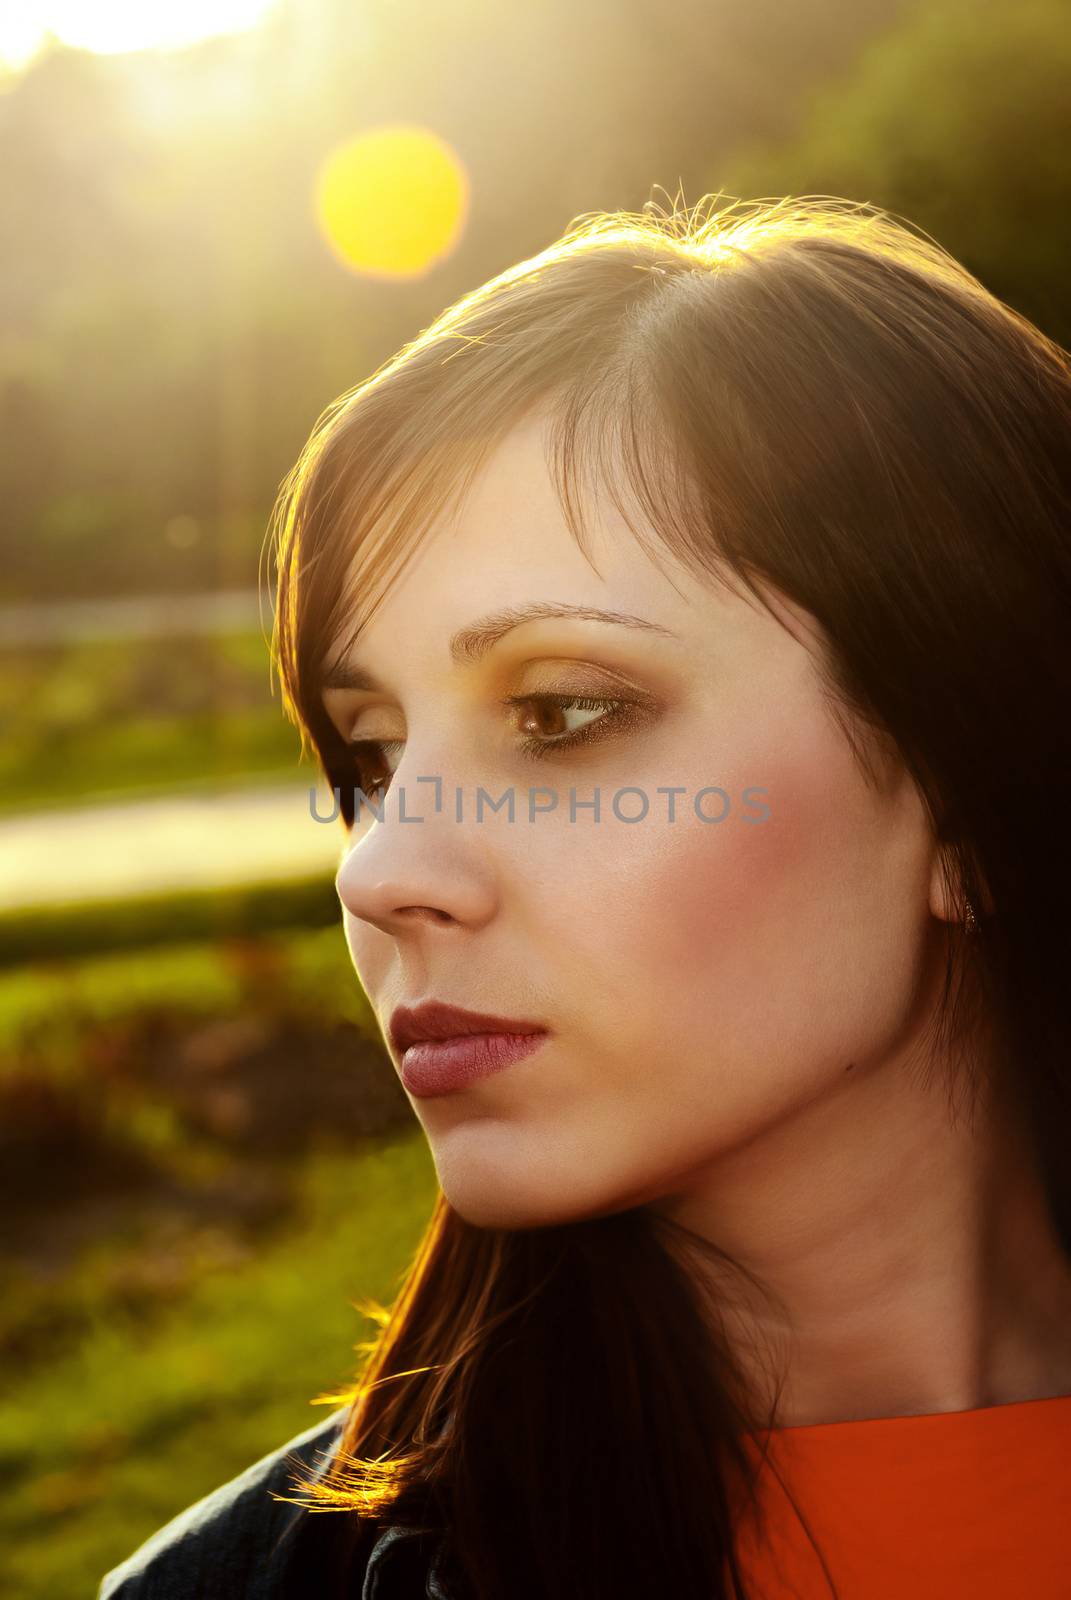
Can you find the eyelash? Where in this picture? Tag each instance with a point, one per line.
(541, 747)
(532, 745)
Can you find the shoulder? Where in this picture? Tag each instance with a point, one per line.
(227, 1544)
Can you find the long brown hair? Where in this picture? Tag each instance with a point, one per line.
(802, 392)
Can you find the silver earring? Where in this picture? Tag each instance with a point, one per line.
(970, 921)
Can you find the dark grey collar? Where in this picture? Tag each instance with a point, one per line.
(399, 1557)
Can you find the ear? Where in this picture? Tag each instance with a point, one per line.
(943, 885)
(946, 894)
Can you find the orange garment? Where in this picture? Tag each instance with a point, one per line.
(960, 1505)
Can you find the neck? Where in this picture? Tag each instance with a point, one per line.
(906, 1250)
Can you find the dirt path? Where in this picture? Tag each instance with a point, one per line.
(112, 850)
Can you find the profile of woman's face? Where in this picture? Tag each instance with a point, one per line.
(700, 981)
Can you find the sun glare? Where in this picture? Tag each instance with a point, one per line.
(391, 202)
(112, 26)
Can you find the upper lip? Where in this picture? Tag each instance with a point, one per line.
(434, 1019)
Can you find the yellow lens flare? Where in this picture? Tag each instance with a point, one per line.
(392, 202)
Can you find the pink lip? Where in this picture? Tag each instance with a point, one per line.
(440, 1066)
(434, 1019)
(443, 1047)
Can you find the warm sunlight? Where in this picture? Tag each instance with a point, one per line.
(392, 201)
(112, 26)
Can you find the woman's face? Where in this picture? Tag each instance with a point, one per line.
(700, 980)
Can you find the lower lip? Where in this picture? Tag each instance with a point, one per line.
(439, 1066)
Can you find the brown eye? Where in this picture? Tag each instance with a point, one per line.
(557, 717)
(549, 723)
(372, 764)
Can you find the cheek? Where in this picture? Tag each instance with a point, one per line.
(702, 895)
(744, 932)
(695, 890)
(737, 885)
(709, 899)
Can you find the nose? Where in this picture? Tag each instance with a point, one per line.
(404, 879)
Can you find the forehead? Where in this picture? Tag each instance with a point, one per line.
(508, 543)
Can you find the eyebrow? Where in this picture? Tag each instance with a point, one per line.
(471, 643)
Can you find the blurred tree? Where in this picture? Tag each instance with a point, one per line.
(171, 324)
(960, 120)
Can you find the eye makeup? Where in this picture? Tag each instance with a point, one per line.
(560, 706)
(372, 757)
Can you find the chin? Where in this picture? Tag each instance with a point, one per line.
(506, 1206)
(520, 1193)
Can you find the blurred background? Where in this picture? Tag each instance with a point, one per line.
(216, 217)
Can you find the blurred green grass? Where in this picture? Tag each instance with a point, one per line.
(101, 1448)
(162, 1101)
(205, 1159)
(165, 918)
(54, 1006)
(302, 969)
(138, 717)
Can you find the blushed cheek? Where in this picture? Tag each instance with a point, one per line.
(722, 899)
